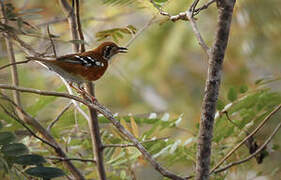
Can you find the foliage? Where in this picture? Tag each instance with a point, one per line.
(165, 63)
(15, 157)
(116, 33)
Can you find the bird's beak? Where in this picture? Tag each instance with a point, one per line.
(122, 50)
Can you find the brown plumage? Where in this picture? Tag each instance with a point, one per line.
(81, 67)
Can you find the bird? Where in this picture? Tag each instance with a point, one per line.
(83, 67)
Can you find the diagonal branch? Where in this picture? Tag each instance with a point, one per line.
(103, 110)
(187, 16)
(59, 116)
(132, 145)
(14, 63)
(46, 135)
(71, 159)
(205, 6)
(252, 155)
(16, 118)
(197, 33)
(246, 138)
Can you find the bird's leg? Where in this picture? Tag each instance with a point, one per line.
(72, 86)
(84, 92)
(79, 90)
(93, 98)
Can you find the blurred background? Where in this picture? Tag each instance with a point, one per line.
(165, 69)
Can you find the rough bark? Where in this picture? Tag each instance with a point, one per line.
(225, 10)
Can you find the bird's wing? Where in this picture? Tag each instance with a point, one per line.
(87, 61)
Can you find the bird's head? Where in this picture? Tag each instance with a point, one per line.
(109, 49)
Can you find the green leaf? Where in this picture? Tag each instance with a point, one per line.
(30, 159)
(232, 94)
(45, 172)
(275, 147)
(28, 11)
(243, 89)
(220, 105)
(118, 2)
(6, 137)
(77, 41)
(14, 149)
(259, 81)
(1, 125)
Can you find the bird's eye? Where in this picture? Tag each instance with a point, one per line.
(107, 52)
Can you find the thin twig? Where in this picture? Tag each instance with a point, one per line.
(71, 159)
(193, 6)
(26, 127)
(69, 12)
(103, 110)
(228, 118)
(197, 33)
(38, 127)
(187, 16)
(160, 9)
(24, 46)
(52, 41)
(252, 155)
(79, 26)
(246, 138)
(56, 20)
(59, 116)
(11, 55)
(149, 22)
(132, 145)
(205, 6)
(11, 64)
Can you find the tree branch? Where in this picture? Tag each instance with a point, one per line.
(131, 145)
(103, 110)
(11, 55)
(45, 134)
(52, 41)
(76, 31)
(69, 12)
(59, 116)
(140, 31)
(246, 138)
(71, 159)
(195, 29)
(16, 118)
(211, 93)
(205, 6)
(187, 16)
(252, 155)
(12, 64)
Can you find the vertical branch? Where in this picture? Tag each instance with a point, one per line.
(93, 123)
(69, 12)
(11, 55)
(26, 118)
(52, 41)
(77, 8)
(225, 8)
(76, 31)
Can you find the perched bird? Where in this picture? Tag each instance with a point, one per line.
(83, 67)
